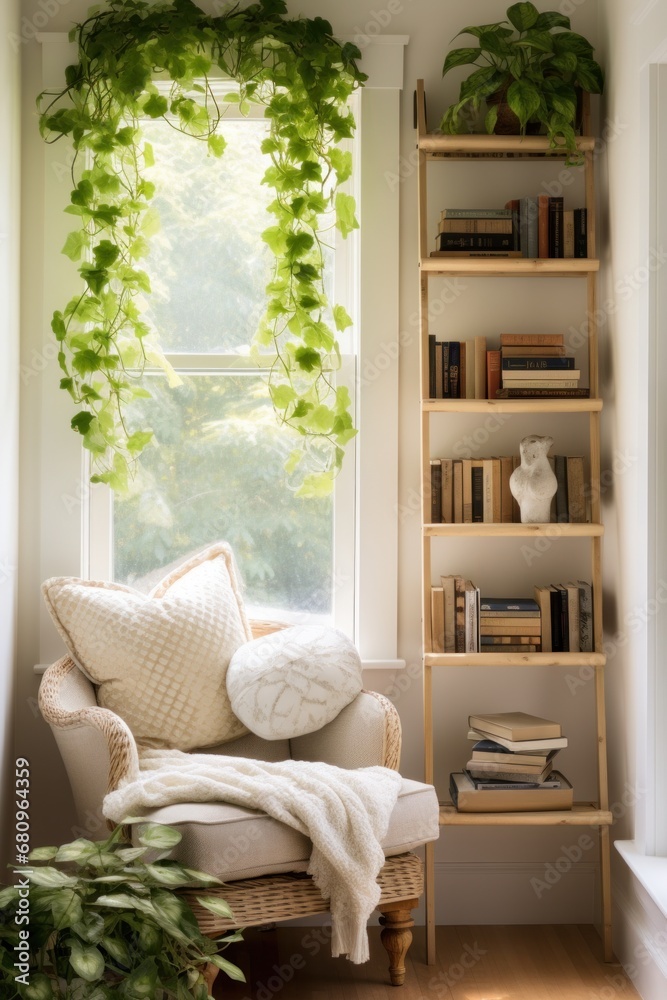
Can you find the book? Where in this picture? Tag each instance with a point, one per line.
(467, 798)
(437, 620)
(555, 743)
(580, 233)
(474, 241)
(572, 615)
(447, 491)
(492, 752)
(536, 363)
(531, 340)
(543, 597)
(576, 499)
(531, 351)
(475, 213)
(469, 369)
(475, 224)
(458, 491)
(543, 225)
(475, 253)
(564, 618)
(509, 772)
(444, 369)
(508, 604)
(492, 373)
(462, 370)
(512, 630)
(449, 594)
(556, 227)
(539, 383)
(503, 784)
(459, 614)
(436, 491)
(561, 490)
(471, 618)
(503, 640)
(513, 208)
(536, 372)
(495, 620)
(480, 368)
(488, 645)
(516, 462)
(506, 469)
(556, 621)
(568, 232)
(528, 226)
(578, 393)
(585, 617)
(455, 369)
(477, 474)
(439, 381)
(432, 348)
(505, 616)
(515, 726)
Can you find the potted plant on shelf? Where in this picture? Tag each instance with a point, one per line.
(96, 920)
(530, 72)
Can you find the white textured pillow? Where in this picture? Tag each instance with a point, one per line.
(160, 660)
(294, 681)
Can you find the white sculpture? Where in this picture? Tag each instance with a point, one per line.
(533, 483)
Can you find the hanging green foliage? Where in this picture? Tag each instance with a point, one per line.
(303, 77)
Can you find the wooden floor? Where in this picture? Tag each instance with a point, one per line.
(560, 962)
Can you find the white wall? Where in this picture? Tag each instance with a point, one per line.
(475, 867)
(9, 393)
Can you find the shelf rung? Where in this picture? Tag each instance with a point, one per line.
(511, 530)
(581, 814)
(514, 659)
(488, 145)
(512, 405)
(509, 267)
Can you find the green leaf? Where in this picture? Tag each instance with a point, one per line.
(66, 908)
(43, 853)
(50, 878)
(155, 107)
(86, 361)
(135, 444)
(143, 981)
(82, 421)
(86, 960)
(341, 161)
(58, 326)
(216, 905)
(117, 949)
(39, 988)
(228, 968)
(541, 41)
(523, 15)
(589, 76)
(82, 194)
(8, 895)
(460, 57)
(149, 155)
(159, 836)
(76, 851)
(282, 396)
(551, 19)
(307, 358)
(570, 41)
(216, 144)
(76, 242)
(345, 218)
(523, 98)
(173, 875)
(341, 318)
(298, 245)
(491, 118)
(316, 484)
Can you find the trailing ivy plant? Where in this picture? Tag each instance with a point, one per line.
(303, 77)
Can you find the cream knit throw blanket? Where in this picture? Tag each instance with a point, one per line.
(344, 813)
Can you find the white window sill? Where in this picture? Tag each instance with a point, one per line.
(651, 871)
(40, 668)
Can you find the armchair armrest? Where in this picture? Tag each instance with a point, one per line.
(96, 745)
(367, 732)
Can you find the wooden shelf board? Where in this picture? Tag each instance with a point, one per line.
(492, 145)
(514, 659)
(511, 267)
(581, 814)
(562, 405)
(494, 530)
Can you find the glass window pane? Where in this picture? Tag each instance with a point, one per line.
(218, 475)
(207, 265)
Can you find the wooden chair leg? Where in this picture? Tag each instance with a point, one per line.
(397, 936)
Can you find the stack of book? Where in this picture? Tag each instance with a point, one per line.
(469, 491)
(476, 232)
(511, 766)
(566, 616)
(455, 616)
(509, 625)
(536, 366)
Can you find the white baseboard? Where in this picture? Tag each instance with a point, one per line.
(640, 943)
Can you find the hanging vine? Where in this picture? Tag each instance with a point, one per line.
(303, 77)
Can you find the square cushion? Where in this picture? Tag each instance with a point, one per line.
(234, 843)
(160, 660)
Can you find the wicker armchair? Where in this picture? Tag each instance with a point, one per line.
(261, 861)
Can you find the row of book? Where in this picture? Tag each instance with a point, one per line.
(469, 491)
(511, 766)
(525, 365)
(559, 619)
(539, 227)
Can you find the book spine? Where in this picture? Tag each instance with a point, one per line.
(470, 369)
(487, 484)
(476, 225)
(540, 383)
(444, 347)
(477, 473)
(437, 620)
(458, 491)
(448, 587)
(576, 500)
(585, 617)
(474, 241)
(564, 620)
(533, 237)
(513, 207)
(578, 393)
(476, 253)
(493, 373)
(480, 368)
(467, 490)
(543, 225)
(460, 614)
(436, 491)
(455, 369)
(523, 226)
(447, 486)
(573, 617)
(531, 340)
(463, 370)
(471, 645)
(580, 233)
(476, 213)
(506, 470)
(496, 491)
(555, 227)
(509, 604)
(561, 491)
(568, 233)
(536, 364)
(529, 350)
(556, 625)
(432, 347)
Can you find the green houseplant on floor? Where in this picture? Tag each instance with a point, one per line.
(529, 71)
(96, 920)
